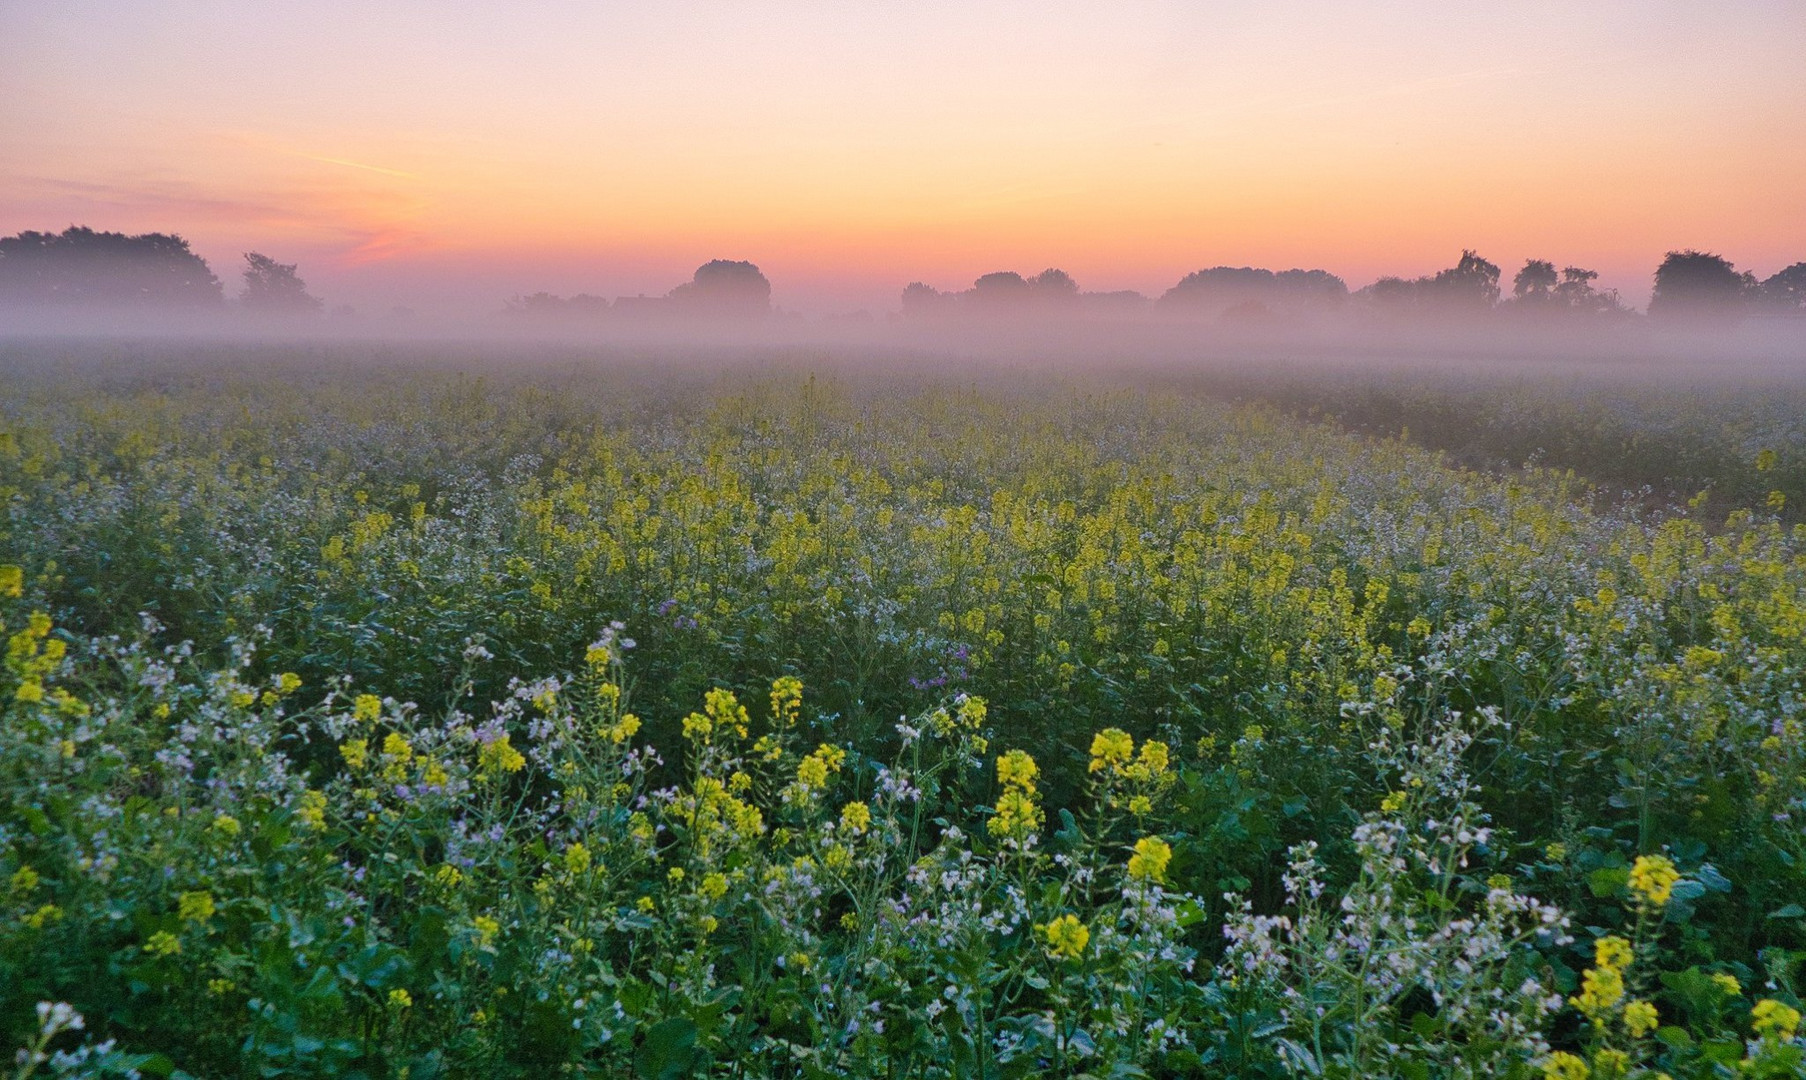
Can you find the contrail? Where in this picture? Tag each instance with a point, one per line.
(356, 165)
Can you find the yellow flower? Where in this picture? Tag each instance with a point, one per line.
(194, 906)
(487, 929)
(855, 817)
(12, 581)
(713, 886)
(645, 905)
(1727, 983)
(24, 880)
(1110, 749)
(1562, 1065)
(1556, 852)
(786, 700)
(811, 772)
(1017, 813)
(499, 757)
(288, 682)
(367, 709)
(1148, 863)
(312, 811)
(1612, 952)
(1017, 769)
(48, 913)
(1066, 937)
(226, 825)
(726, 711)
(448, 876)
(1640, 1018)
(1392, 803)
(398, 747)
(1652, 879)
(1609, 1063)
(1155, 757)
(1771, 1017)
(1600, 989)
(401, 999)
(163, 943)
(576, 858)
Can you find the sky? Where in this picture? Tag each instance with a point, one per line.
(453, 153)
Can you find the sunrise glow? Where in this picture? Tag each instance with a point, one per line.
(471, 152)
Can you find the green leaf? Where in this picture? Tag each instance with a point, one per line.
(1607, 880)
(669, 1051)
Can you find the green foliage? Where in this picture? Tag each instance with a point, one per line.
(367, 722)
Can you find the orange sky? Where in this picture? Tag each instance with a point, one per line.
(448, 152)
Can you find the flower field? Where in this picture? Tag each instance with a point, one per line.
(663, 721)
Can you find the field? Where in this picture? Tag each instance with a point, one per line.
(399, 715)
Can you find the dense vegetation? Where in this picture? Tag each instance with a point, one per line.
(625, 721)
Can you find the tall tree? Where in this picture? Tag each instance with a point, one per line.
(1054, 287)
(1786, 289)
(82, 267)
(1472, 284)
(275, 288)
(1536, 282)
(725, 288)
(1699, 285)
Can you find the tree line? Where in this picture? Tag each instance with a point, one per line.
(1688, 285)
(84, 268)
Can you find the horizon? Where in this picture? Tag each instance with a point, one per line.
(484, 156)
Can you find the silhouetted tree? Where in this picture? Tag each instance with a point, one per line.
(273, 288)
(1310, 287)
(1470, 285)
(1002, 290)
(1576, 293)
(1786, 289)
(80, 266)
(1698, 285)
(1535, 283)
(922, 300)
(1054, 288)
(1215, 290)
(725, 288)
(1391, 292)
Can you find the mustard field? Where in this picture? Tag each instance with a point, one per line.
(788, 720)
